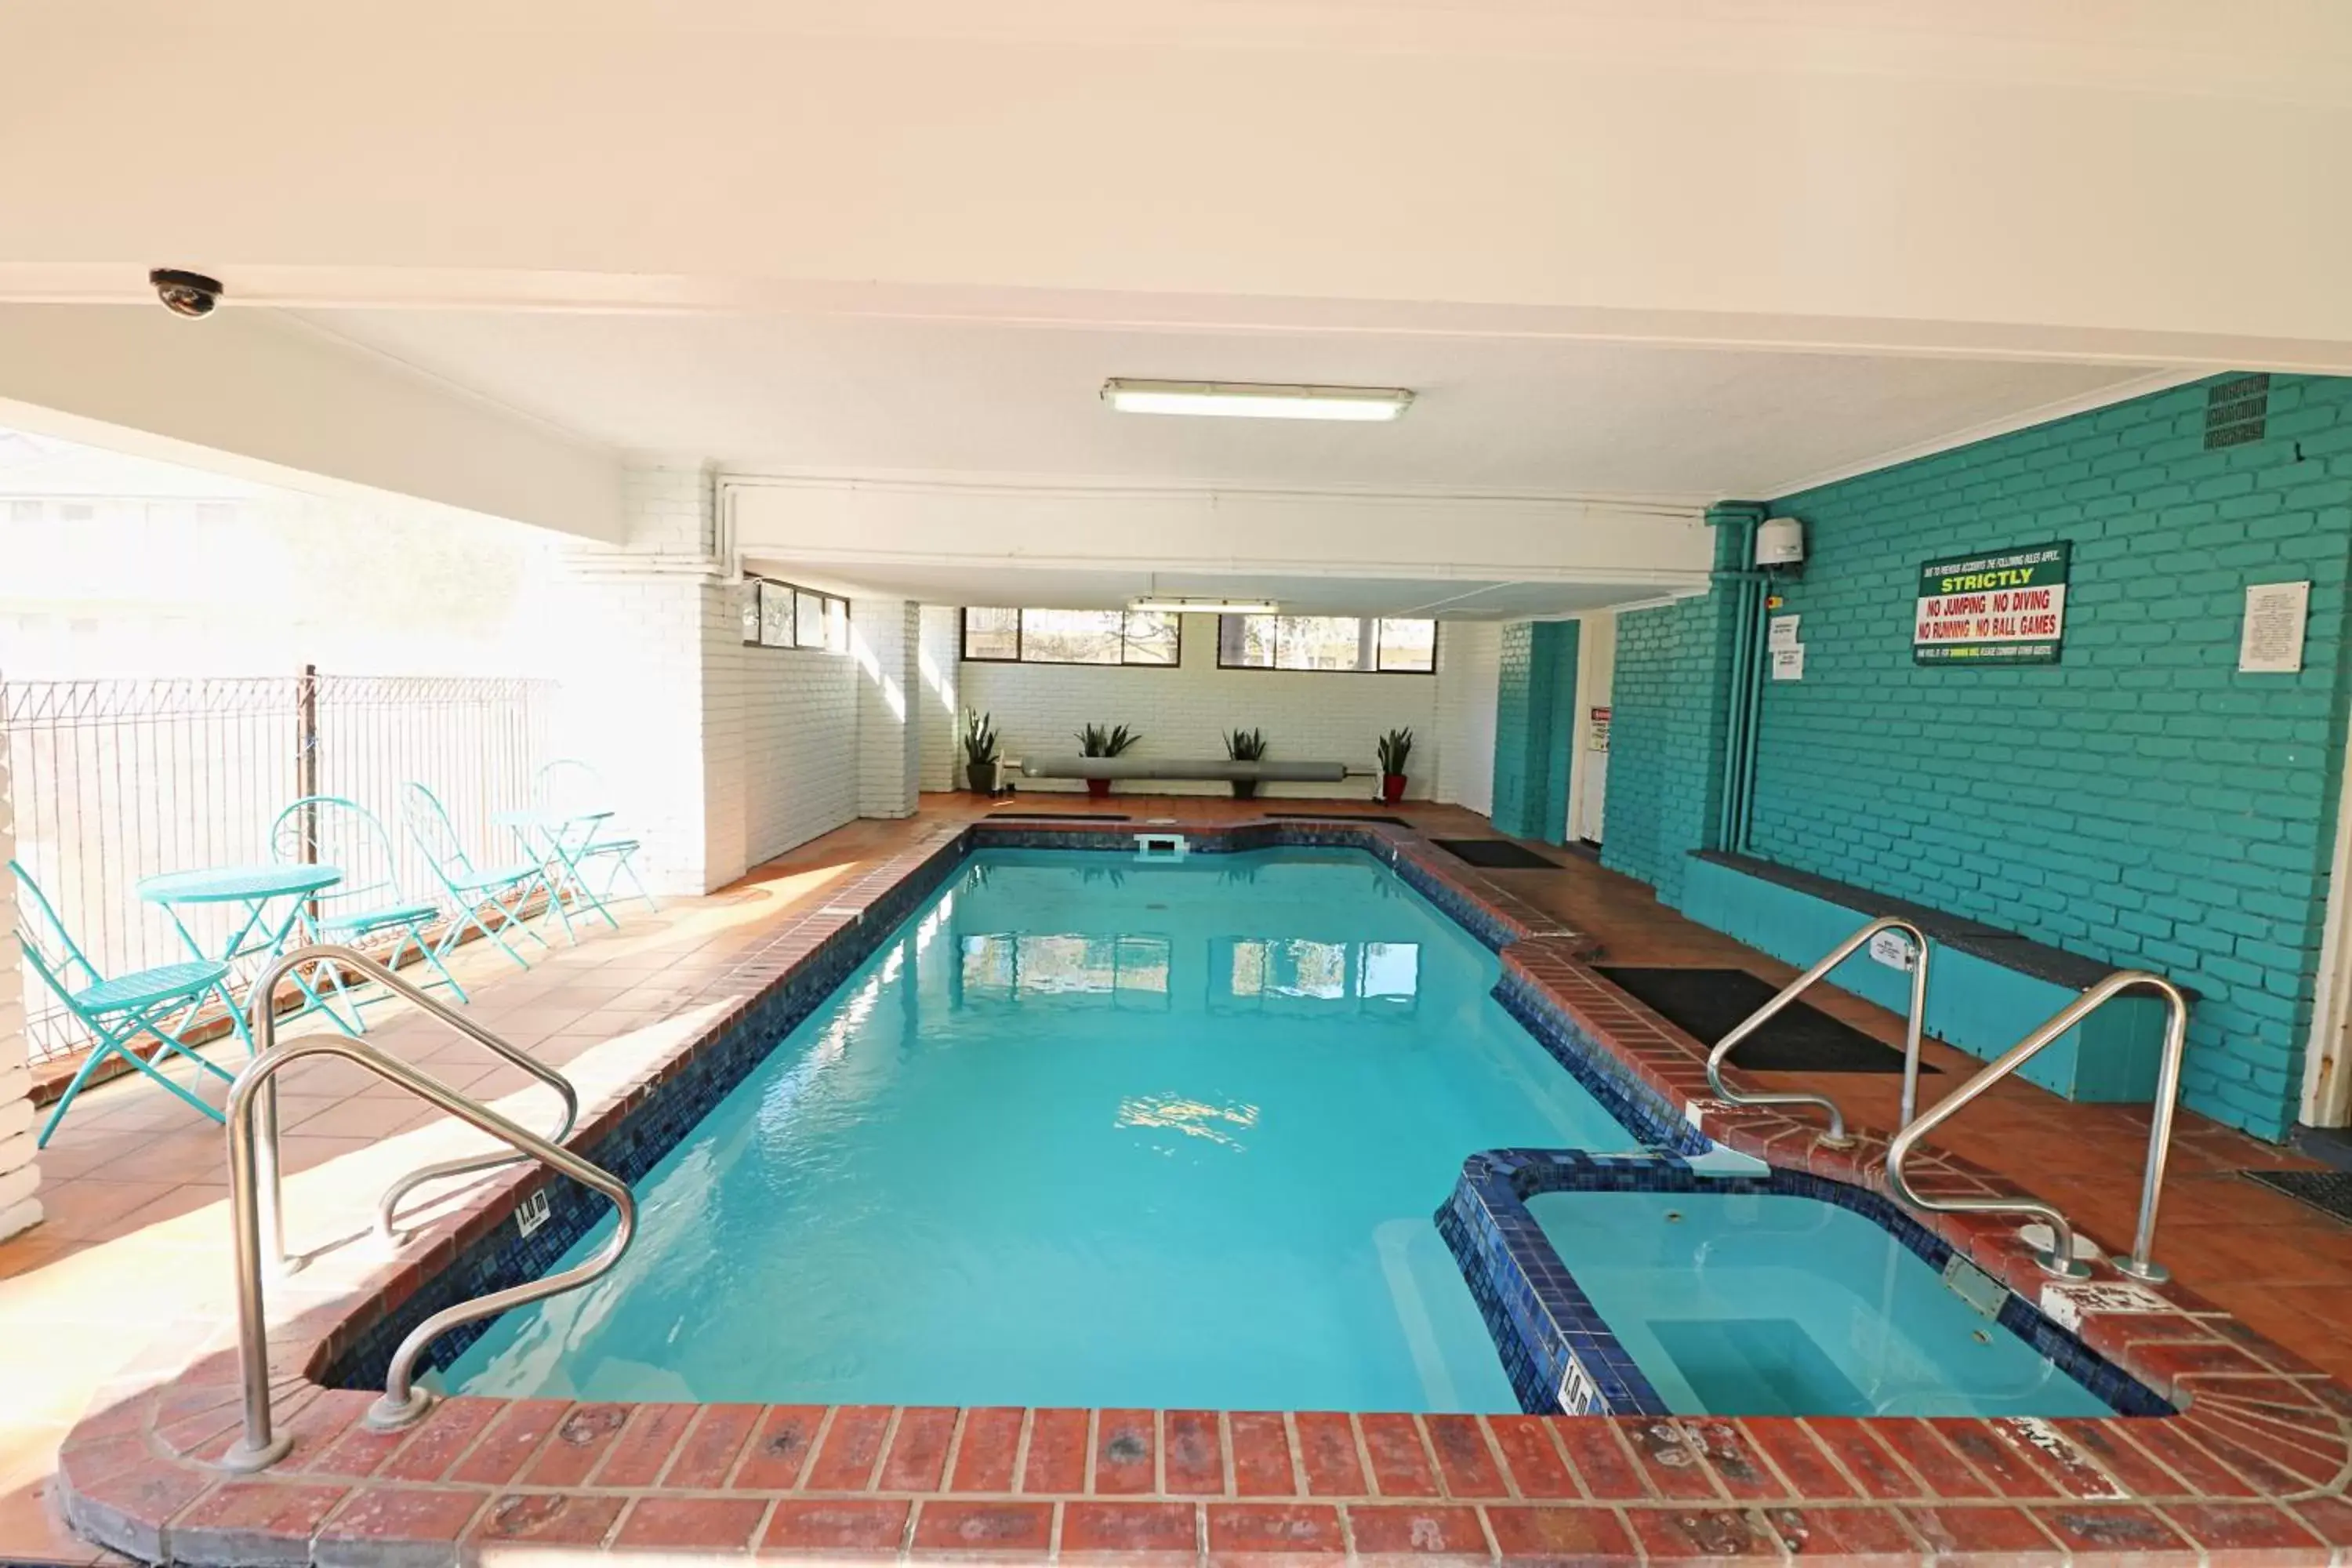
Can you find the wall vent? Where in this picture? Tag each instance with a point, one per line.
(2236, 411)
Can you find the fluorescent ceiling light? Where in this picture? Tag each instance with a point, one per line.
(1246, 400)
(1183, 606)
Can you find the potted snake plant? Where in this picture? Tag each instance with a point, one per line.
(982, 759)
(1394, 748)
(1094, 740)
(1245, 746)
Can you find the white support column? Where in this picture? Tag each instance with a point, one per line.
(886, 640)
(19, 1176)
(1469, 657)
(938, 705)
(653, 686)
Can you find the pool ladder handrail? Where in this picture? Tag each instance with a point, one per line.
(2059, 1258)
(253, 1134)
(1836, 1137)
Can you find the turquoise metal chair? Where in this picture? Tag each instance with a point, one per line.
(368, 904)
(115, 1011)
(567, 784)
(471, 891)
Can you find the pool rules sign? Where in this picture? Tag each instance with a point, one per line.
(2005, 607)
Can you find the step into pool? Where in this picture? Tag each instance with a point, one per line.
(1089, 1132)
(1760, 1303)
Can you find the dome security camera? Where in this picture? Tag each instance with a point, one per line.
(189, 294)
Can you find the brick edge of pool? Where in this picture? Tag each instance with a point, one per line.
(2254, 1469)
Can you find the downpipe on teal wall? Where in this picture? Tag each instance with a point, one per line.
(1744, 690)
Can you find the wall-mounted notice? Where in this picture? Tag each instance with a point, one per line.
(1783, 633)
(2006, 607)
(1600, 732)
(2271, 642)
(1788, 663)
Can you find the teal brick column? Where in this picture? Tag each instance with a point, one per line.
(1535, 709)
(1668, 732)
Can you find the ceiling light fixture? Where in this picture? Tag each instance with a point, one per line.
(1248, 400)
(1188, 607)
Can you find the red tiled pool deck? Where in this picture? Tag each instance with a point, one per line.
(2254, 1470)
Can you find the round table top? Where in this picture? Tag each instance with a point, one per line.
(536, 816)
(236, 884)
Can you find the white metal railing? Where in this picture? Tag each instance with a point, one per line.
(119, 779)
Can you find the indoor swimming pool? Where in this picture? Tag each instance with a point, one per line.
(1086, 1131)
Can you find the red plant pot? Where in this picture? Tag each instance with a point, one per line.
(1098, 789)
(1391, 787)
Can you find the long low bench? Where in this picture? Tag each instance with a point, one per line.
(1987, 988)
(1172, 768)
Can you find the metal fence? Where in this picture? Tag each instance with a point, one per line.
(117, 780)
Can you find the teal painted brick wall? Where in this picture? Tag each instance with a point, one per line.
(1535, 699)
(1514, 691)
(2140, 802)
(1667, 733)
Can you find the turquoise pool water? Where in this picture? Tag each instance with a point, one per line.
(1087, 1132)
(1768, 1304)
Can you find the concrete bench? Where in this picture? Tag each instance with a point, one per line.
(1170, 768)
(1986, 992)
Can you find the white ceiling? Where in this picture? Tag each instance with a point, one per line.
(848, 395)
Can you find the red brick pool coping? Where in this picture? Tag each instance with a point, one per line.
(2254, 1470)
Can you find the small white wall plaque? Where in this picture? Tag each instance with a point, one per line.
(2271, 642)
(1783, 633)
(1788, 663)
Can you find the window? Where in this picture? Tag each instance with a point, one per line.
(1326, 642)
(1070, 637)
(778, 615)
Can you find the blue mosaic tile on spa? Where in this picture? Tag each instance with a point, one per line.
(1527, 1293)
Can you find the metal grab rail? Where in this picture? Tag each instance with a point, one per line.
(250, 1131)
(1837, 1135)
(265, 1037)
(2060, 1259)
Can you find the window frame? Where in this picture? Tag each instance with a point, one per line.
(1020, 653)
(1436, 634)
(828, 605)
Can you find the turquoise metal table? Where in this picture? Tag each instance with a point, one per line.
(261, 931)
(560, 839)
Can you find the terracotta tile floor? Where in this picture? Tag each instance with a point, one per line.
(129, 1270)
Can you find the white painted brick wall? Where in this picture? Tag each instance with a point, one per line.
(717, 756)
(800, 746)
(1307, 716)
(1469, 665)
(632, 704)
(19, 1176)
(886, 641)
(938, 705)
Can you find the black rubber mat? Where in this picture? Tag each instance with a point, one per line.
(1335, 816)
(1708, 1004)
(2329, 1191)
(1496, 855)
(1061, 816)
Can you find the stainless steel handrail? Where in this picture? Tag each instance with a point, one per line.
(2059, 1258)
(1837, 1135)
(252, 1130)
(265, 1036)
